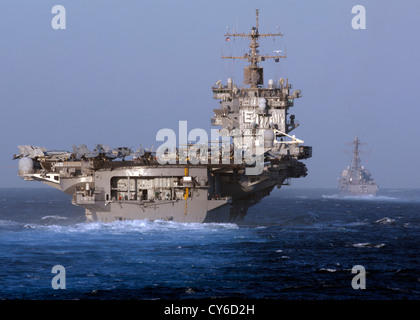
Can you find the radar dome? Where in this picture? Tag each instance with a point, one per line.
(268, 138)
(26, 166)
(261, 103)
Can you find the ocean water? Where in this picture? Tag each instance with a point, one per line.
(295, 244)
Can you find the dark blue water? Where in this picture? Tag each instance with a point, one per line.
(295, 244)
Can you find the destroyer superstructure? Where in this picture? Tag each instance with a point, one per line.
(356, 180)
(119, 183)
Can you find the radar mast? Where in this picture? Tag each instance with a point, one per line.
(253, 73)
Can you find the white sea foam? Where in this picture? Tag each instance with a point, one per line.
(385, 220)
(327, 270)
(141, 226)
(403, 196)
(54, 217)
(8, 223)
(368, 245)
(5, 222)
(362, 197)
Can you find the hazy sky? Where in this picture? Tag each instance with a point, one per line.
(122, 70)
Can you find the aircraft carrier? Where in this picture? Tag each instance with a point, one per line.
(215, 181)
(356, 180)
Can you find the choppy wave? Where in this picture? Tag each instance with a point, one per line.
(381, 198)
(301, 247)
(367, 245)
(54, 217)
(4, 224)
(124, 226)
(363, 197)
(327, 270)
(385, 220)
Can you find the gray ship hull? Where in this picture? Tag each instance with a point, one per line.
(358, 190)
(197, 211)
(356, 180)
(112, 191)
(127, 192)
(130, 192)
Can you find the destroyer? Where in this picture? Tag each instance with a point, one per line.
(356, 180)
(119, 183)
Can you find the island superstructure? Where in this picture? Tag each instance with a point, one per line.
(217, 182)
(356, 180)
